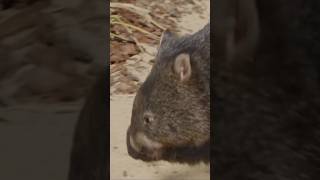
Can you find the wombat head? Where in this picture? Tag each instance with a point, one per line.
(170, 116)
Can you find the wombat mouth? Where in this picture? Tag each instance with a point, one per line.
(176, 154)
(189, 155)
(143, 153)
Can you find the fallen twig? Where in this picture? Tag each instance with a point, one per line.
(135, 39)
(112, 35)
(137, 10)
(138, 29)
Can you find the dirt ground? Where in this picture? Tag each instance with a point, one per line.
(136, 68)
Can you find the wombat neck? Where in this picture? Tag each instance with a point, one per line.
(202, 71)
(201, 67)
(201, 55)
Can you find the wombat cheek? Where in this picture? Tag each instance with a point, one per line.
(140, 141)
(148, 143)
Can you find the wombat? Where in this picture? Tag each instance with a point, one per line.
(266, 90)
(171, 111)
(89, 152)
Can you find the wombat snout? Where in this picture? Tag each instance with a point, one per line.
(141, 147)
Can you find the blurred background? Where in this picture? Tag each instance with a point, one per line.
(135, 30)
(50, 52)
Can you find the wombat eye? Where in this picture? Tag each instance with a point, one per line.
(147, 119)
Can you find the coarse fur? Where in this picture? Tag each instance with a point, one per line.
(180, 111)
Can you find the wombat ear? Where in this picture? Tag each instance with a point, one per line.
(166, 35)
(182, 66)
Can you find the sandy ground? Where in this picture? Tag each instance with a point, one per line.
(124, 167)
